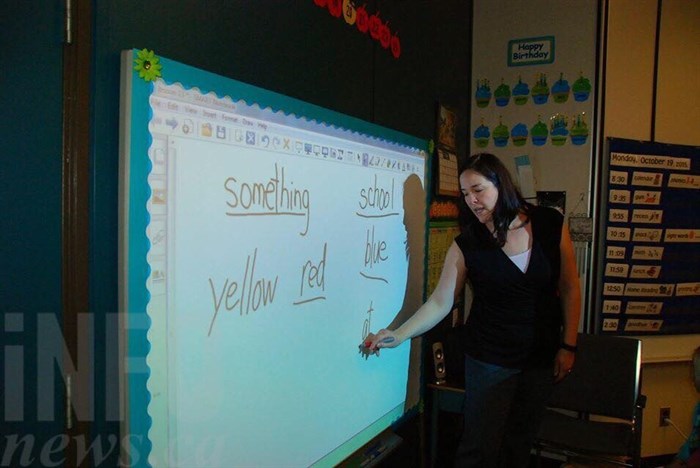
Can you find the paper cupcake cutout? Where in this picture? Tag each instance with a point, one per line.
(502, 94)
(519, 134)
(483, 93)
(582, 89)
(521, 91)
(482, 135)
(579, 130)
(539, 133)
(500, 134)
(559, 129)
(540, 92)
(560, 90)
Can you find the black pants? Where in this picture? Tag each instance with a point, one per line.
(503, 409)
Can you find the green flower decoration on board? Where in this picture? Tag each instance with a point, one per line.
(148, 65)
(431, 146)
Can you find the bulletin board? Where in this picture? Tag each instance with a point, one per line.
(442, 234)
(647, 275)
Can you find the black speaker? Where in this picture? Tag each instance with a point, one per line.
(439, 363)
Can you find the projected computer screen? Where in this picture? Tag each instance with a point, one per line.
(262, 238)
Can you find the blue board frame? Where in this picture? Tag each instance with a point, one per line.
(134, 244)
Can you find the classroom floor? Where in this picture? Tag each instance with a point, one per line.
(409, 454)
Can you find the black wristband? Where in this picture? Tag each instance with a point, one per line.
(568, 347)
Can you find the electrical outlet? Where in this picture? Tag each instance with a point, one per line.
(664, 414)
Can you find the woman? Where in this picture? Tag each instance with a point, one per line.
(520, 336)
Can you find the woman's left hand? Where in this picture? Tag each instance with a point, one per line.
(563, 363)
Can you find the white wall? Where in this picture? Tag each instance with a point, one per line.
(554, 168)
(629, 91)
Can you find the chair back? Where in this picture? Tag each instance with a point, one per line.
(606, 377)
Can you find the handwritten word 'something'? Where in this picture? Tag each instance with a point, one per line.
(274, 197)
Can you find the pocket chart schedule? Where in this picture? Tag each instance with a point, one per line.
(648, 279)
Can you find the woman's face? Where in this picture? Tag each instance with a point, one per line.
(479, 193)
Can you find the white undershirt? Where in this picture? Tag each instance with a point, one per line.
(521, 260)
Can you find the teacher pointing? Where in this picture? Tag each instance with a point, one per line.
(520, 335)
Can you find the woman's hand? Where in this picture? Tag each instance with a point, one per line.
(563, 363)
(383, 339)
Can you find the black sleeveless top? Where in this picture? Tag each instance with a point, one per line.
(516, 317)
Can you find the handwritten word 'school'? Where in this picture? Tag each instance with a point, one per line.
(313, 276)
(374, 250)
(274, 197)
(376, 201)
(254, 292)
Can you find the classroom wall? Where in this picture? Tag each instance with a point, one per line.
(30, 226)
(293, 48)
(551, 168)
(296, 48)
(300, 50)
(668, 111)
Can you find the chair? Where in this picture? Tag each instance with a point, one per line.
(605, 381)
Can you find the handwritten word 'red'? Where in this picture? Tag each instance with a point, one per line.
(376, 201)
(253, 293)
(274, 197)
(313, 276)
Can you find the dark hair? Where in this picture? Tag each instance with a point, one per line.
(510, 201)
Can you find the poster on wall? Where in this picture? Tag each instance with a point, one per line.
(447, 184)
(648, 281)
(533, 93)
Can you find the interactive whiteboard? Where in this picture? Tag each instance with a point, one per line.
(261, 239)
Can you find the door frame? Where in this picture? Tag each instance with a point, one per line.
(75, 221)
